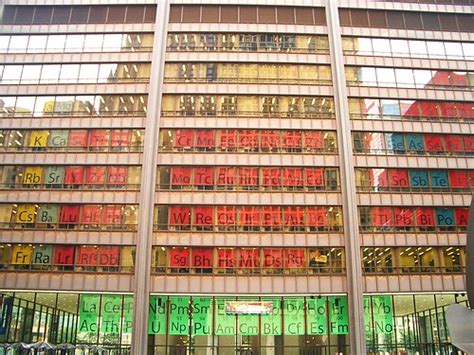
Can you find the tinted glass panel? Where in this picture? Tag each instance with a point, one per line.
(43, 15)
(286, 15)
(98, 14)
(191, 13)
(304, 16)
(229, 14)
(359, 18)
(79, 14)
(266, 14)
(248, 14)
(61, 14)
(210, 14)
(116, 14)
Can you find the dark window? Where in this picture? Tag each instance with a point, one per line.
(150, 14)
(430, 21)
(98, 14)
(413, 20)
(465, 23)
(175, 14)
(61, 14)
(229, 14)
(134, 14)
(24, 14)
(43, 15)
(79, 14)
(210, 14)
(9, 14)
(266, 14)
(304, 16)
(359, 18)
(395, 19)
(345, 17)
(319, 16)
(377, 19)
(448, 22)
(191, 13)
(248, 14)
(116, 14)
(286, 15)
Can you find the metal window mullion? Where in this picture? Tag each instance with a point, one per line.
(148, 185)
(348, 190)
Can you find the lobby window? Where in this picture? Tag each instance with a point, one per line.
(208, 106)
(287, 42)
(229, 41)
(209, 42)
(326, 260)
(377, 260)
(187, 106)
(187, 71)
(453, 259)
(419, 259)
(248, 42)
(229, 105)
(268, 42)
(270, 105)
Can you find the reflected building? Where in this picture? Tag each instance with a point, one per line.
(219, 178)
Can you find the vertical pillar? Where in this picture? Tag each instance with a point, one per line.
(144, 239)
(348, 189)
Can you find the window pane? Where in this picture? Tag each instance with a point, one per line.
(12, 74)
(61, 14)
(24, 14)
(69, 73)
(468, 49)
(18, 44)
(364, 45)
(31, 74)
(405, 78)
(55, 43)
(37, 44)
(454, 50)
(367, 76)
(400, 47)
(4, 43)
(134, 14)
(422, 77)
(93, 43)
(74, 43)
(436, 49)
(25, 105)
(79, 14)
(98, 14)
(88, 73)
(418, 48)
(50, 74)
(116, 14)
(381, 46)
(43, 15)
(112, 42)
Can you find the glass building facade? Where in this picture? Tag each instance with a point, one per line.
(206, 177)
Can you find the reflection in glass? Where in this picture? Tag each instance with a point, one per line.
(74, 43)
(55, 43)
(37, 44)
(18, 44)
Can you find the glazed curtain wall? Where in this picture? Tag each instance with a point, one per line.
(203, 323)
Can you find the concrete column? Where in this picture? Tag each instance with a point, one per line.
(148, 184)
(348, 188)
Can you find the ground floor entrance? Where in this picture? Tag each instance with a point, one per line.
(72, 323)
